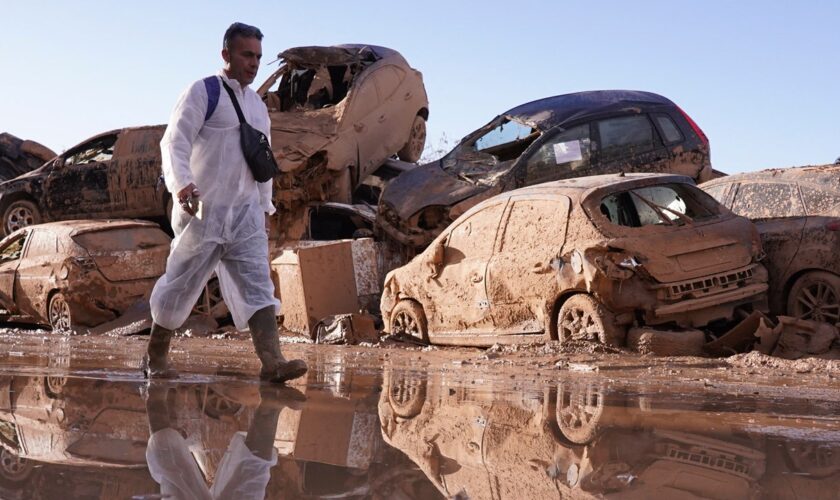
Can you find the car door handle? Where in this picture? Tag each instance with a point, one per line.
(476, 278)
(360, 127)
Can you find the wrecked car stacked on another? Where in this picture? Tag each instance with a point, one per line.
(337, 114)
(18, 156)
(797, 213)
(580, 259)
(571, 135)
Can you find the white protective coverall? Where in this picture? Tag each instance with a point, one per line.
(241, 475)
(229, 236)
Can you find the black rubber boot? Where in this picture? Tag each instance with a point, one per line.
(263, 428)
(264, 334)
(155, 363)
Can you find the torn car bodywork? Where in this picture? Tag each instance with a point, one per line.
(64, 274)
(504, 270)
(565, 136)
(797, 213)
(337, 113)
(111, 175)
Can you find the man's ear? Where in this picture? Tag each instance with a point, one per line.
(226, 55)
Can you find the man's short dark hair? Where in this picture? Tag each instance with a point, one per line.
(243, 30)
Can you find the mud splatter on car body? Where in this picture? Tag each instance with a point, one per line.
(797, 213)
(580, 259)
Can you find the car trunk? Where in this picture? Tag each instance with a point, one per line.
(690, 251)
(128, 253)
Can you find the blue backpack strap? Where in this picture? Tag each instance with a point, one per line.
(211, 84)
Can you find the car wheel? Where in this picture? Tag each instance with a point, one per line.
(59, 313)
(14, 469)
(406, 395)
(216, 405)
(413, 148)
(816, 296)
(581, 317)
(19, 214)
(408, 318)
(578, 411)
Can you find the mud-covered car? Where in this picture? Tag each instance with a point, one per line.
(580, 259)
(797, 213)
(571, 135)
(79, 273)
(337, 113)
(111, 175)
(18, 156)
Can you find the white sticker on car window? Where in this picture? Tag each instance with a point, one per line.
(565, 152)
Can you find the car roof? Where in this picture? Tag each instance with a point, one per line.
(552, 111)
(579, 188)
(825, 175)
(347, 53)
(76, 227)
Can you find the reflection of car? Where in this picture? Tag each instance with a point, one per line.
(558, 137)
(18, 156)
(342, 110)
(114, 174)
(797, 213)
(579, 259)
(79, 272)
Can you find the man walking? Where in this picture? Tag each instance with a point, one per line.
(221, 216)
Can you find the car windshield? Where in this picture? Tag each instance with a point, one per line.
(668, 204)
(490, 153)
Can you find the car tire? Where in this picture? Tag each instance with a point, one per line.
(581, 317)
(578, 411)
(816, 296)
(19, 214)
(413, 149)
(408, 318)
(59, 314)
(14, 469)
(406, 395)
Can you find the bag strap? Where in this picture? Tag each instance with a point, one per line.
(235, 103)
(211, 84)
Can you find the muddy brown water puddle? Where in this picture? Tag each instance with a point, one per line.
(367, 427)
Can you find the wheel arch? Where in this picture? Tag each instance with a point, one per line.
(423, 113)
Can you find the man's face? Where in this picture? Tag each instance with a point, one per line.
(242, 59)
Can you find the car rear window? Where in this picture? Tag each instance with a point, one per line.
(768, 200)
(821, 201)
(134, 238)
(670, 132)
(666, 204)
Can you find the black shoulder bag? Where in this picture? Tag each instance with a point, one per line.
(255, 145)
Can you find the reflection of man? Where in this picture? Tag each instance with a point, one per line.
(220, 220)
(246, 466)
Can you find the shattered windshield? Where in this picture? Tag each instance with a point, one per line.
(310, 88)
(490, 153)
(669, 204)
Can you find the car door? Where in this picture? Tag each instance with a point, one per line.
(133, 173)
(362, 117)
(458, 292)
(78, 184)
(777, 210)
(11, 254)
(531, 236)
(36, 274)
(627, 143)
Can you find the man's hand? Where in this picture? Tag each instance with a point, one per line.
(188, 198)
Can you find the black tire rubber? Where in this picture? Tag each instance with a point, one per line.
(20, 213)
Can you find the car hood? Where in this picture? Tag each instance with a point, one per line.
(425, 186)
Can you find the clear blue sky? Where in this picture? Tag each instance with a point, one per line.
(762, 79)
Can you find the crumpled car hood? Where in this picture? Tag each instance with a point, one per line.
(426, 186)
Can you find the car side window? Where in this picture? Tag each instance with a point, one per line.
(98, 150)
(13, 250)
(820, 201)
(717, 192)
(669, 130)
(766, 200)
(388, 79)
(42, 243)
(474, 237)
(534, 226)
(365, 97)
(568, 150)
(618, 135)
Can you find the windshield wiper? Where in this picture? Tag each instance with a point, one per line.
(659, 209)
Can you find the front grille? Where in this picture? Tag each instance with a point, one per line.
(710, 284)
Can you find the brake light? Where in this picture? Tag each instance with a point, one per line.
(694, 127)
(833, 225)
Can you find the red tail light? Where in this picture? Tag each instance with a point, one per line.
(833, 225)
(694, 127)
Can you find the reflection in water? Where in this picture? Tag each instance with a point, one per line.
(404, 435)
